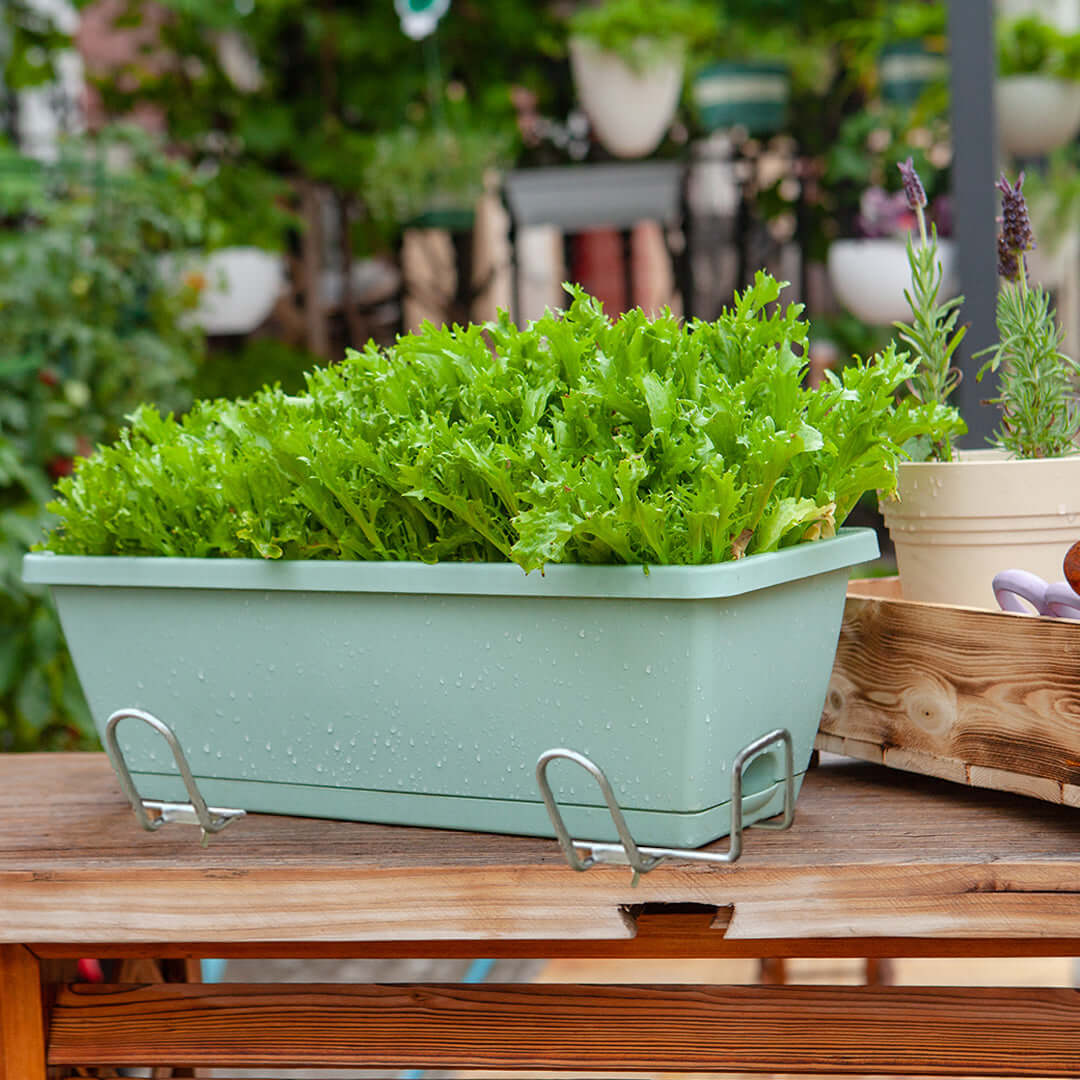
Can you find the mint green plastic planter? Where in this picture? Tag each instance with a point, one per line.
(423, 695)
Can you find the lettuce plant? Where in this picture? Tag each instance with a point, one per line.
(574, 439)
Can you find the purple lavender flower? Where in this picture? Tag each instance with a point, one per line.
(1015, 222)
(1008, 261)
(913, 188)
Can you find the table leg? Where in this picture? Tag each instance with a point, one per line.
(22, 1015)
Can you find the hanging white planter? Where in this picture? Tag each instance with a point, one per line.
(240, 286)
(1036, 113)
(869, 277)
(630, 111)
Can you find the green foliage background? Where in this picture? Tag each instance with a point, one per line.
(88, 330)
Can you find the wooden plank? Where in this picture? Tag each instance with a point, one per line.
(1004, 915)
(861, 832)
(22, 1017)
(852, 1030)
(979, 697)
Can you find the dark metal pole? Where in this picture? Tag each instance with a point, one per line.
(974, 135)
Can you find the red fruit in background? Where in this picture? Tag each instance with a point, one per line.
(60, 466)
(48, 377)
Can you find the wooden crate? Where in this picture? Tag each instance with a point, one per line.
(980, 697)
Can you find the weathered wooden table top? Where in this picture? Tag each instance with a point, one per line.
(872, 853)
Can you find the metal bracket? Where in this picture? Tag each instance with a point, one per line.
(643, 859)
(151, 813)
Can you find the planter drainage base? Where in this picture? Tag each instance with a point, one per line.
(152, 813)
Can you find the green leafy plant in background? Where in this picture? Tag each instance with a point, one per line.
(88, 330)
(575, 439)
(30, 38)
(1027, 46)
(644, 31)
(413, 172)
(247, 206)
(1036, 380)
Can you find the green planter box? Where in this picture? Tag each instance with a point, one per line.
(423, 695)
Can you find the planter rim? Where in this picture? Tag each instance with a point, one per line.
(713, 581)
(990, 458)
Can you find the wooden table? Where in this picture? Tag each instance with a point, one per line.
(878, 863)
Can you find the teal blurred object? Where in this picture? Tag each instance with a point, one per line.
(418, 694)
(748, 94)
(213, 970)
(905, 69)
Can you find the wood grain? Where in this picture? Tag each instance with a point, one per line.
(977, 697)
(22, 1021)
(72, 858)
(852, 1030)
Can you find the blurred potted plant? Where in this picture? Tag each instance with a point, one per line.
(866, 213)
(1038, 87)
(966, 516)
(627, 59)
(870, 274)
(429, 178)
(747, 82)
(912, 52)
(242, 274)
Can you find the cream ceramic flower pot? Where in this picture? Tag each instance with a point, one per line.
(630, 111)
(1036, 113)
(959, 523)
(869, 277)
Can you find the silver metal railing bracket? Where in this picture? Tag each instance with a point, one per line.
(643, 859)
(151, 813)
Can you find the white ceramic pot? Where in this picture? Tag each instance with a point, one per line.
(959, 523)
(629, 111)
(1036, 113)
(869, 277)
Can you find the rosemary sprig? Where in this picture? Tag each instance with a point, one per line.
(932, 334)
(1039, 415)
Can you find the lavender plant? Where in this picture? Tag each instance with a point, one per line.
(1039, 415)
(933, 334)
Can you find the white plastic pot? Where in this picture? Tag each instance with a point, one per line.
(240, 287)
(869, 277)
(629, 111)
(959, 523)
(1036, 113)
